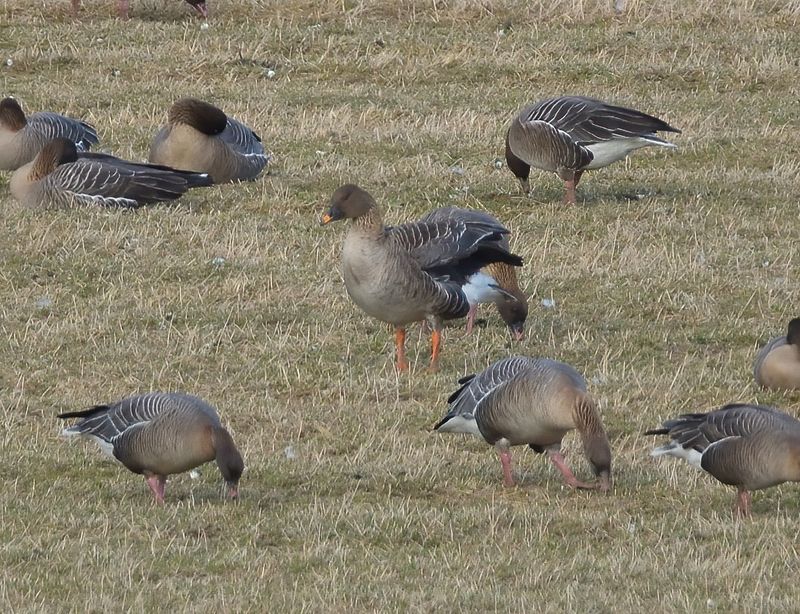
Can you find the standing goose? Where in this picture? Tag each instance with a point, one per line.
(21, 138)
(510, 300)
(777, 364)
(159, 434)
(747, 446)
(415, 270)
(534, 401)
(59, 176)
(122, 7)
(572, 134)
(200, 137)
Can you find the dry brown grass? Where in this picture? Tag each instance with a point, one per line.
(666, 277)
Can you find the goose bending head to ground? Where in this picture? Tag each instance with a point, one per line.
(200, 137)
(777, 364)
(533, 401)
(21, 137)
(416, 270)
(60, 176)
(159, 434)
(124, 5)
(573, 134)
(505, 293)
(750, 447)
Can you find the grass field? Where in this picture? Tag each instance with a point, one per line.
(666, 277)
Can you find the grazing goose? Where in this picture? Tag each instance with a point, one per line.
(534, 401)
(159, 434)
(572, 134)
(511, 302)
(59, 176)
(777, 364)
(416, 270)
(122, 7)
(21, 138)
(200, 137)
(747, 446)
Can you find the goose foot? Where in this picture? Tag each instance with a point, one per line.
(742, 507)
(400, 346)
(157, 484)
(569, 478)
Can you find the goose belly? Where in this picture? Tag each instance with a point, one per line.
(608, 152)
(781, 369)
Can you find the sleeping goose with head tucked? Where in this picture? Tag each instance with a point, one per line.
(533, 401)
(747, 446)
(159, 434)
(573, 134)
(777, 364)
(60, 176)
(416, 270)
(21, 137)
(200, 137)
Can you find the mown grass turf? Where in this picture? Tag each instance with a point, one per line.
(666, 277)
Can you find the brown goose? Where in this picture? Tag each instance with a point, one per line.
(123, 5)
(59, 176)
(200, 137)
(21, 138)
(747, 446)
(415, 270)
(534, 401)
(777, 364)
(510, 300)
(573, 134)
(159, 434)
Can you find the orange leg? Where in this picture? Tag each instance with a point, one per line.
(400, 346)
(436, 347)
(561, 464)
(742, 508)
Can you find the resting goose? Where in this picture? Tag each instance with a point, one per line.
(415, 270)
(573, 134)
(21, 138)
(534, 401)
(59, 176)
(747, 446)
(123, 5)
(777, 364)
(200, 137)
(159, 434)
(510, 300)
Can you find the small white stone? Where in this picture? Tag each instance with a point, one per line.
(548, 303)
(194, 474)
(765, 263)
(289, 453)
(319, 152)
(270, 74)
(9, 62)
(218, 261)
(44, 302)
(710, 604)
(98, 40)
(204, 25)
(631, 528)
(498, 163)
(115, 72)
(457, 170)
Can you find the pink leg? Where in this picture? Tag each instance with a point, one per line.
(122, 9)
(742, 508)
(505, 461)
(570, 185)
(561, 464)
(157, 484)
(76, 4)
(473, 311)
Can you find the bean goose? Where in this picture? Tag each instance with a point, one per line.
(159, 434)
(59, 176)
(21, 138)
(573, 134)
(510, 300)
(415, 270)
(748, 446)
(123, 5)
(534, 401)
(777, 364)
(200, 137)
